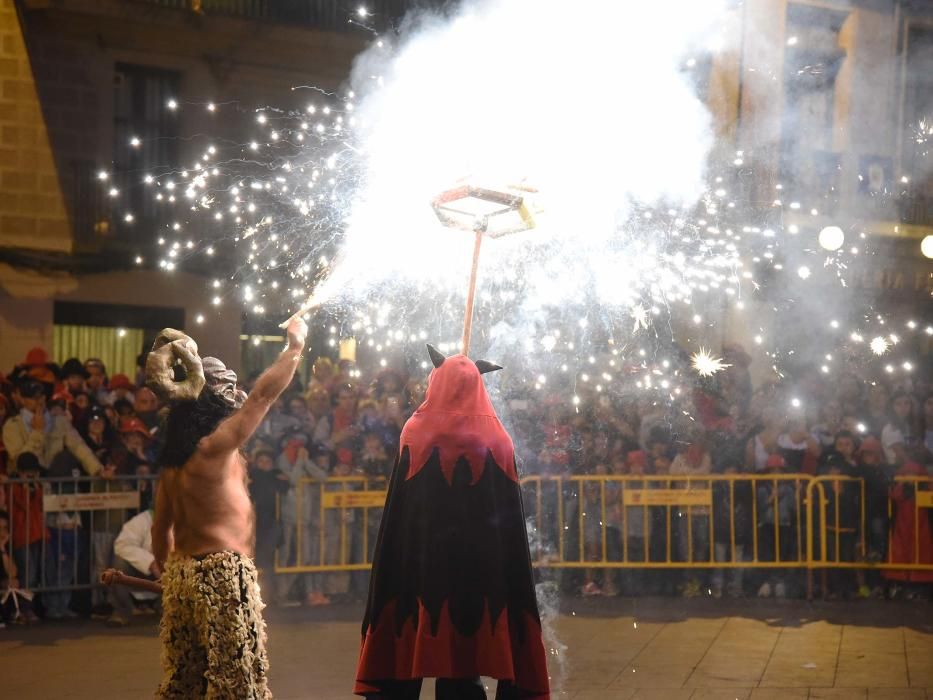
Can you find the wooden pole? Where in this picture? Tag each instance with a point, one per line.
(471, 293)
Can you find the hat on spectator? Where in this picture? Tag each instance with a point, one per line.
(95, 362)
(72, 367)
(29, 388)
(134, 425)
(871, 444)
(35, 357)
(96, 413)
(775, 461)
(28, 462)
(63, 395)
(121, 381)
(292, 433)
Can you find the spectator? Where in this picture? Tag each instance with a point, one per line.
(277, 422)
(898, 434)
(133, 556)
(777, 531)
(121, 389)
(374, 461)
(98, 433)
(298, 409)
(123, 408)
(135, 448)
(693, 522)
(842, 510)
(593, 522)
(322, 375)
(871, 470)
(37, 367)
(74, 375)
(912, 540)
(878, 404)
(765, 441)
(14, 606)
(732, 531)
(96, 381)
(341, 532)
(106, 524)
(307, 470)
(266, 483)
(344, 429)
(800, 450)
(637, 524)
(831, 423)
(28, 526)
(146, 408)
(34, 430)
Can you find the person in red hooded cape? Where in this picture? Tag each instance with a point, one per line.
(452, 592)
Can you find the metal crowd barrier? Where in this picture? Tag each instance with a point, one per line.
(740, 521)
(747, 521)
(334, 526)
(62, 529)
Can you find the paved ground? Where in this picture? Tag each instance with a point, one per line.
(647, 648)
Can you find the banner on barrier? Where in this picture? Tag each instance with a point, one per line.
(115, 500)
(667, 497)
(354, 499)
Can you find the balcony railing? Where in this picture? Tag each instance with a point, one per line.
(318, 14)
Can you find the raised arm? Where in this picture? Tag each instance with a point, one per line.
(238, 428)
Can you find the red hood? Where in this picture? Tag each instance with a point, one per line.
(457, 419)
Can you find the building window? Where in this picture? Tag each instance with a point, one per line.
(813, 58)
(917, 155)
(145, 132)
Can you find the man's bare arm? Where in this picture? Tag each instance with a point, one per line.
(163, 536)
(237, 429)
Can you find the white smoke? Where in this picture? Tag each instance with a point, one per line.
(587, 102)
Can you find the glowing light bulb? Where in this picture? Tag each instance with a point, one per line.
(832, 238)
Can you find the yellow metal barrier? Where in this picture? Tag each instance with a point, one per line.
(652, 516)
(748, 521)
(340, 517)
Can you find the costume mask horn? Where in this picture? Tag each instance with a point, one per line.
(172, 349)
(436, 356)
(486, 366)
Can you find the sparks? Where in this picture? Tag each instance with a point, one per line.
(705, 364)
(879, 345)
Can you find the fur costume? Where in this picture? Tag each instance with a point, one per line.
(212, 631)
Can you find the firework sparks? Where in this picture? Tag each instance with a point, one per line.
(705, 364)
(879, 345)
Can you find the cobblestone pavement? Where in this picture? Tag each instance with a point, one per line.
(619, 648)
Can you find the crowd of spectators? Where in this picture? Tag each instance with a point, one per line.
(74, 420)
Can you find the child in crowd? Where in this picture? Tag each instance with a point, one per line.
(912, 539)
(342, 539)
(693, 522)
(28, 525)
(777, 524)
(636, 524)
(732, 527)
(841, 514)
(594, 520)
(15, 604)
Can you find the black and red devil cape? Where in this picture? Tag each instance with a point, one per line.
(452, 591)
